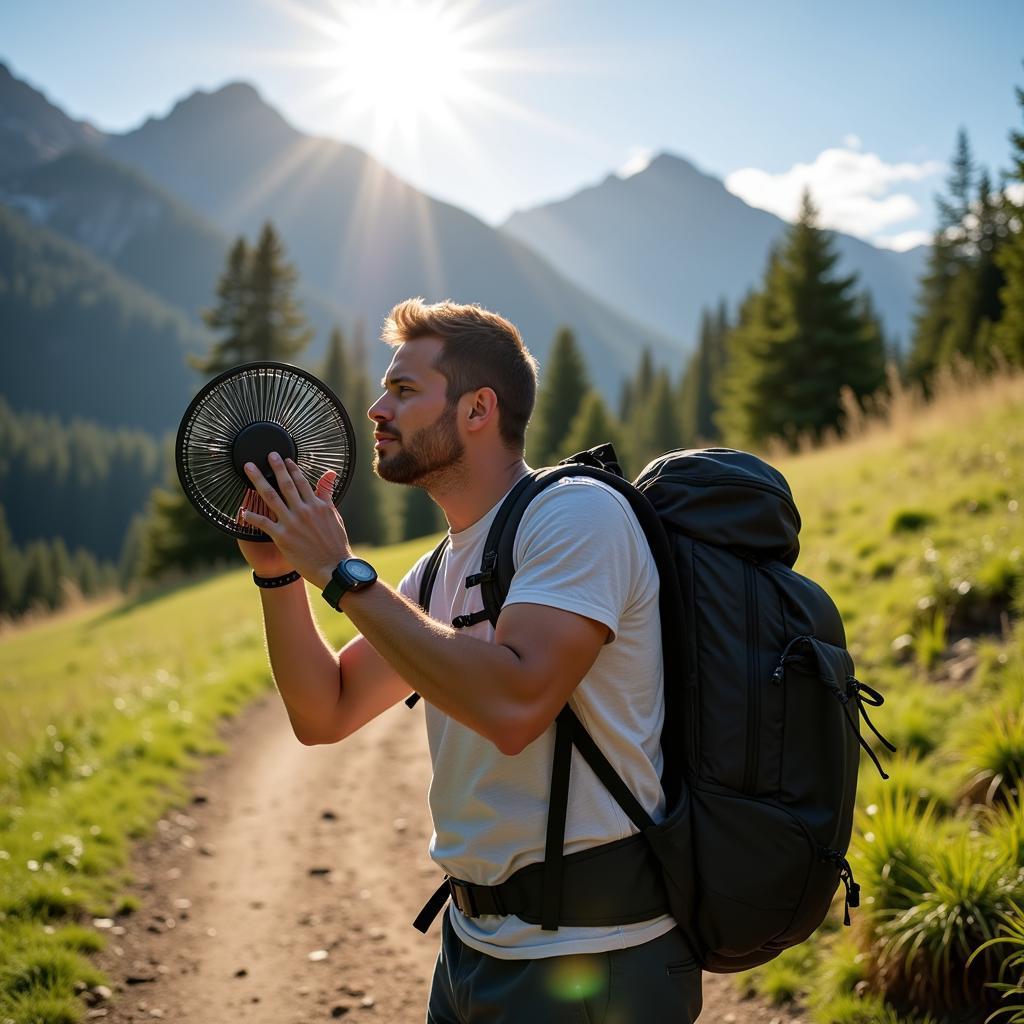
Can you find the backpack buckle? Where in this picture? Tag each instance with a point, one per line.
(486, 574)
(462, 897)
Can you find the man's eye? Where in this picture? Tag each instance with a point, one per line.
(402, 387)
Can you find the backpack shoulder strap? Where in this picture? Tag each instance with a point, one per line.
(498, 568)
(427, 581)
(429, 576)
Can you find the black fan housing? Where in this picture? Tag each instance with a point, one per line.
(243, 415)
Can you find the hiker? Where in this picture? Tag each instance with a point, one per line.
(580, 624)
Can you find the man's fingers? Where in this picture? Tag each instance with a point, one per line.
(261, 486)
(302, 483)
(325, 486)
(254, 519)
(285, 480)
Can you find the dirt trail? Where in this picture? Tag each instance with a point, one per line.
(288, 851)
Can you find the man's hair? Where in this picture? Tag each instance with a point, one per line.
(481, 350)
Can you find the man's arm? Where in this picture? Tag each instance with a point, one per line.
(327, 695)
(510, 690)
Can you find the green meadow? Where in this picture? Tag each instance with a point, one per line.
(917, 531)
(102, 714)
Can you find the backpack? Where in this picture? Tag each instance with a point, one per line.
(761, 738)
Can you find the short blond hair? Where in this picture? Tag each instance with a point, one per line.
(481, 350)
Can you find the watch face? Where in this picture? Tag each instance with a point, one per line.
(359, 570)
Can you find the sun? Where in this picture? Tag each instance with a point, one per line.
(406, 68)
(405, 61)
(403, 64)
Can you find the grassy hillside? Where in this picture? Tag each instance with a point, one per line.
(917, 531)
(101, 715)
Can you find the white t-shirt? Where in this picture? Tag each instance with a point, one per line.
(580, 548)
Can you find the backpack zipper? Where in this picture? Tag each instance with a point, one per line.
(753, 683)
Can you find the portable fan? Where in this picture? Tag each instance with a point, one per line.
(242, 416)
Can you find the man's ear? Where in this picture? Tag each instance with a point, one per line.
(483, 407)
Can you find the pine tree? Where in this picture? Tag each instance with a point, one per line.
(87, 572)
(10, 570)
(39, 585)
(336, 373)
(801, 338)
(561, 395)
(657, 423)
(361, 507)
(176, 536)
(63, 569)
(230, 317)
(933, 339)
(420, 514)
(1008, 335)
(593, 425)
(698, 389)
(278, 327)
(256, 312)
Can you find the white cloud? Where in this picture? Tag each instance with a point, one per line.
(852, 141)
(637, 161)
(853, 191)
(903, 241)
(1015, 192)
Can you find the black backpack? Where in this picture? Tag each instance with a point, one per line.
(761, 739)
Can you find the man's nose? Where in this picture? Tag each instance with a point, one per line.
(378, 411)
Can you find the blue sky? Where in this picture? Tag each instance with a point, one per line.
(862, 103)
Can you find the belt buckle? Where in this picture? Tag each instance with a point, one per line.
(462, 897)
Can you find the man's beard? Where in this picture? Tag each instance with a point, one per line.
(429, 455)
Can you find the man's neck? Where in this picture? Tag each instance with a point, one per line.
(478, 489)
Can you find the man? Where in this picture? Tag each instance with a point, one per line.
(580, 624)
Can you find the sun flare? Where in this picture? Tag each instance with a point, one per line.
(405, 60)
(406, 64)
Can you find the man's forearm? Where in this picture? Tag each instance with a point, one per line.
(304, 666)
(484, 685)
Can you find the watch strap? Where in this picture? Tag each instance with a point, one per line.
(269, 582)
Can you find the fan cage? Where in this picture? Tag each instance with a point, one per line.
(278, 393)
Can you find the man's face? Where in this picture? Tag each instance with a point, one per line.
(416, 434)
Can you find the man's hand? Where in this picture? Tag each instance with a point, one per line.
(306, 529)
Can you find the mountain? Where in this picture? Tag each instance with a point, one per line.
(361, 235)
(666, 242)
(137, 227)
(32, 128)
(81, 340)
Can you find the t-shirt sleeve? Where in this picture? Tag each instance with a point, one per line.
(580, 549)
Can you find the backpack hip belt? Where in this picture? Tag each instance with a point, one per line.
(587, 900)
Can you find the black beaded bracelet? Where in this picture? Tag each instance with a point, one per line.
(276, 581)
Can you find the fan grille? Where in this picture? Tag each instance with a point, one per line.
(284, 396)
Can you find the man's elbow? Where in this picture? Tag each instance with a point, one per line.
(514, 733)
(318, 736)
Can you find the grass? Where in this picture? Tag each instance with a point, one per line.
(916, 530)
(102, 715)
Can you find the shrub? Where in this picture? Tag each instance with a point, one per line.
(994, 752)
(1012, 933)
(928, 954)
(891, 850)
(909, 520)
(1005, 826)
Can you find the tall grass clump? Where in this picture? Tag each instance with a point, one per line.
(1011, 934)
(993, 751)
(928, 953)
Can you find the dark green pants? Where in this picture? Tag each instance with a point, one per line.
(656, 983)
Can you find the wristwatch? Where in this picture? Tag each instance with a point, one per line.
(349, 574)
